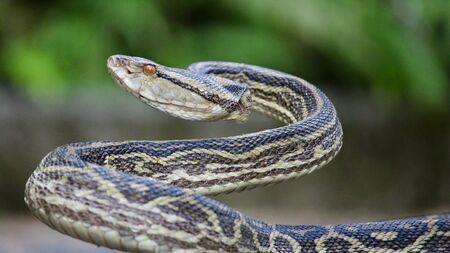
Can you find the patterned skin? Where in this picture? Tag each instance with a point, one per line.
(146, 196)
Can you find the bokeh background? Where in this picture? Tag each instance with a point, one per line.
(385, 65)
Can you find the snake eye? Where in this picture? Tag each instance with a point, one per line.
(149, 70)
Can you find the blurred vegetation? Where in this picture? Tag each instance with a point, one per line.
(399, 50)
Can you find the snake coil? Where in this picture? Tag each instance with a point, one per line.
(147, 196)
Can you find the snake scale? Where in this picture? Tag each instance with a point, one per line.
(148, 196)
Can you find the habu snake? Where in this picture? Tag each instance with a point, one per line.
(146, 196)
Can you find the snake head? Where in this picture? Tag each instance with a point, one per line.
(180, 92)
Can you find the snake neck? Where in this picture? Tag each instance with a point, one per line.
(284, 97)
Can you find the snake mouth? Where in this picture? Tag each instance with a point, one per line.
(123, 75)
(123, 83)
(184, 107)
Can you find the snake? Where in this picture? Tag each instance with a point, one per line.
(152, 196)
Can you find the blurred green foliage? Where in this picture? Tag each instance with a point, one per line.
(396, 49)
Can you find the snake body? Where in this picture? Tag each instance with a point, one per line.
(148, 196)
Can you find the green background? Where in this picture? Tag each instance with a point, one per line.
(395, 49)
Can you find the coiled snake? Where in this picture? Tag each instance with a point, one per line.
(145, 196)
